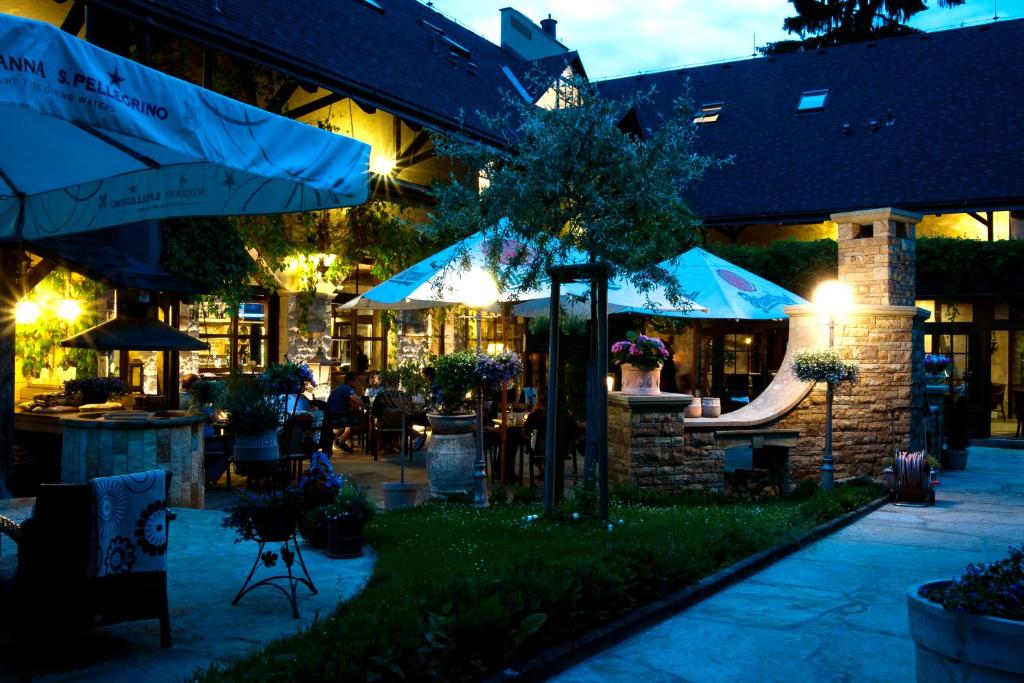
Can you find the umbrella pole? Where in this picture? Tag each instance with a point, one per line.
(9, 287)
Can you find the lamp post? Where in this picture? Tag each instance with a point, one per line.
(833, 301)
(478, 290)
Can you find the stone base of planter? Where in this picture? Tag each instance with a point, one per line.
(963, 647)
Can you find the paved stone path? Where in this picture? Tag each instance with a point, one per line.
(836, 610)
(205, 570)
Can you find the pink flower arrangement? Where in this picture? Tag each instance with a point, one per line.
(645, 353)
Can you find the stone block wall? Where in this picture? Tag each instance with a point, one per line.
(648, 448)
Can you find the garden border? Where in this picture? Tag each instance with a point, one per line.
(558, 658)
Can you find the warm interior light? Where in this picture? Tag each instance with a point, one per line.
(747, 340)
(69, 310)
(477, 289)
(610, 380)
(495, 347)
(382, 164)
(833, 299)
(26, 312)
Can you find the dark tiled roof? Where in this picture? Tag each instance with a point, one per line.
(956, 141)
(393, 59)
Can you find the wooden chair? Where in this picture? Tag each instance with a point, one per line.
(997, 398)
(1018, 409)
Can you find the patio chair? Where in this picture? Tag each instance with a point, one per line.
(63, 584)
(997, 398)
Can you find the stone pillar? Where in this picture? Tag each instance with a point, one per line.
(305, 325)
(885, 335)
(647, 445)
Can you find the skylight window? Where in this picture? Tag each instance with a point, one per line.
(372, 3)
(812, 100)
(708, 113)
(455, 47)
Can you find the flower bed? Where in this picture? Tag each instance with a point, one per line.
(458, 592)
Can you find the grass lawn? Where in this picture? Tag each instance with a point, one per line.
(458, 592)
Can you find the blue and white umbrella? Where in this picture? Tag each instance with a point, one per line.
(90, 140)
(724, 289)
(450, 276)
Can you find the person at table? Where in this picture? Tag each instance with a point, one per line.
(346, 409)
(374, 387)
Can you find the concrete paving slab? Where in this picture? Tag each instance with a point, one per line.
(836, 610)
(205, 570)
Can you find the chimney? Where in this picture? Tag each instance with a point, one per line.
(548, 26)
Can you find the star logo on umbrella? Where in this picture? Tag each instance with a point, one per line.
(116, 79)
(229, 180)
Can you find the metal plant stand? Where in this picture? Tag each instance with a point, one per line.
(286, 583)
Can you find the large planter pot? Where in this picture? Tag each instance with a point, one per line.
(954, 458)
(259, 447)
(345, 536)
(460, 423)
(398, 495)
(963, 647)
(637, 382)
(450, 459)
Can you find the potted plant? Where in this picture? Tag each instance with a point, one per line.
(640, 359)
(94, 389)
(451, 451)
(972, 627)
(346, 516)
(254, 416)
(204, 394)
(456, 377)
(287, 379)
(497, 372)
(269, 517)
(958, 429)
(315, 491)
(403, 389)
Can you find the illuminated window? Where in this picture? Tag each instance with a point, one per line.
(812, 100)
(562, 93)
(708, 113)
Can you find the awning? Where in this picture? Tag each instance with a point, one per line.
(90, 140)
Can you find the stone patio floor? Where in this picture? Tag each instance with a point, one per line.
(205, 570)
(836, 610)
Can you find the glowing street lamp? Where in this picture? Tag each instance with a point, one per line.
(834, 302)
(478, 290)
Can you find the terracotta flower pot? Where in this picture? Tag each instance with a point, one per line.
(637, 382)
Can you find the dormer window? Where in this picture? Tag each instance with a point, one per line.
(812, 100)
(708, 113)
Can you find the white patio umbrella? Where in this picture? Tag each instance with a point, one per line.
(446, 278)
(90, 140)
(724, 289)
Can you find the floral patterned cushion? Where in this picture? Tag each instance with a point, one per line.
(131, 523)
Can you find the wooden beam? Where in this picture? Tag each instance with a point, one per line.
(276, 102)
(75, 19)
(314, 106)
(36, 274)
(410, 156)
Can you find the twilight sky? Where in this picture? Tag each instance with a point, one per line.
(618, 37)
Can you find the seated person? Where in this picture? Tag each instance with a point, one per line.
(185, 397)
(374, 387)
(346, 410)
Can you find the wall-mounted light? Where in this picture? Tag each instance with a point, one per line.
(69, 310)
(382, 164)
(26, 312)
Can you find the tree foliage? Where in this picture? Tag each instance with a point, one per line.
(572, 180)
(825, 23)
